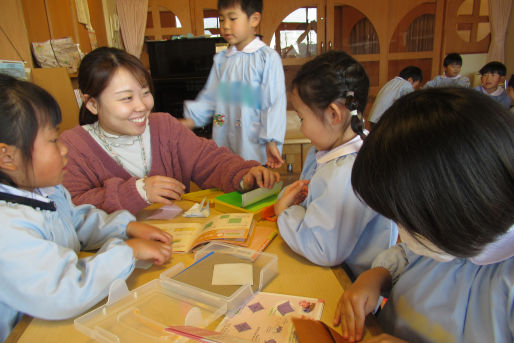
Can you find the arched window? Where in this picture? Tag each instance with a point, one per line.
(420, 34)
(364, 38)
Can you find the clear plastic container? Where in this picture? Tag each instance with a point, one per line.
(199, 274)
(182, 296)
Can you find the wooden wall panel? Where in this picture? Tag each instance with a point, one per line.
(13, 23)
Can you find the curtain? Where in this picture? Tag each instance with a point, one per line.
(132, 17)
(499, 14)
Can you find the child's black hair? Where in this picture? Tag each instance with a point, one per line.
(413, 72)
(494, 67)
(24, 108)
(452, 58)
(440, 162)
(247, 6)
(330, 77)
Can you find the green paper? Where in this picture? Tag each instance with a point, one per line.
(234, 199)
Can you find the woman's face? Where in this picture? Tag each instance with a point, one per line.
(124, 105)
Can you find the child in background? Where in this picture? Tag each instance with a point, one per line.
(452, 64)
(331, 225)
(245, 93)
(126, 157)
(408, 81)
(492, 75)
(42, 231)
(441, 164)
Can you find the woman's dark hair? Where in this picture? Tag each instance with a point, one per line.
(328, 78)
(247, 6)
(441, 163)
(24, 108)
(97, 69)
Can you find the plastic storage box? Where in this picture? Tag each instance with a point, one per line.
(182, 296)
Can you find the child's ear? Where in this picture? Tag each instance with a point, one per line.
(255, 19)
(91, 104)
(336, 113)
(8, 158)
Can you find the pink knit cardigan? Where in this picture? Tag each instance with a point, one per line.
(93, 177)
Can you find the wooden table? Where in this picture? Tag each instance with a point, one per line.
(296, 276)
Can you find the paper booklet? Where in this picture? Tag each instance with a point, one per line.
(232, 228)
(267, 317)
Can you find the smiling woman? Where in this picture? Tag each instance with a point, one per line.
(126, 157)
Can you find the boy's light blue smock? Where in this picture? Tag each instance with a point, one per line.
(245, 98)
(392, 91)
(455, 301)
(441, 81)
(40, 272)
(332, 225)
(499, 95)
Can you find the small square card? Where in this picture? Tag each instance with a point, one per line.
(232, 274)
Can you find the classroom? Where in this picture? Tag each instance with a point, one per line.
(171, 118)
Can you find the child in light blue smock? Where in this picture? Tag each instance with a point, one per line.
(42, 231)
(440, 163)
(245, 95)
(331, 225)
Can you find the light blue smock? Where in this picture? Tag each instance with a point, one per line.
(245, 98)
(456, 301)
(499, 95)
(40, 272)
(332, 225)
(392, 91)
(441, 81)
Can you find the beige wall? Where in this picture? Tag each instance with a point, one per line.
(509, 45)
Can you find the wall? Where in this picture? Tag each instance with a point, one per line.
(13, 23)
(509, 48)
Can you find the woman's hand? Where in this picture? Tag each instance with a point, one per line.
(260, 177)
(163, 189)
(273, 154)
(145, 249)
(359, 300)
(294, 194)
(148, 232)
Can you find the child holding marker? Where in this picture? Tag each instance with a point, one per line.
(42, 231)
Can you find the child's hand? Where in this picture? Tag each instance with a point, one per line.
(261, 177)
(145, 249)
(188, 122)
(359, 300)
(292, 195)
(149, 232)
(384, 338)
(274, 157)
(163, 189)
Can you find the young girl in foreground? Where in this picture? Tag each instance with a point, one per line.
(331, 225)
(441, 164)
(42, 231)
(125, 157)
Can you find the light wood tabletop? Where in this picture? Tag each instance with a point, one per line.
(296, 276)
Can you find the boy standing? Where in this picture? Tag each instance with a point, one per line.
(408, 81)
(245, 93)
(451, 77)
(491, 76)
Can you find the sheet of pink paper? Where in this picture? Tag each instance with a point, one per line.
(166, 212)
